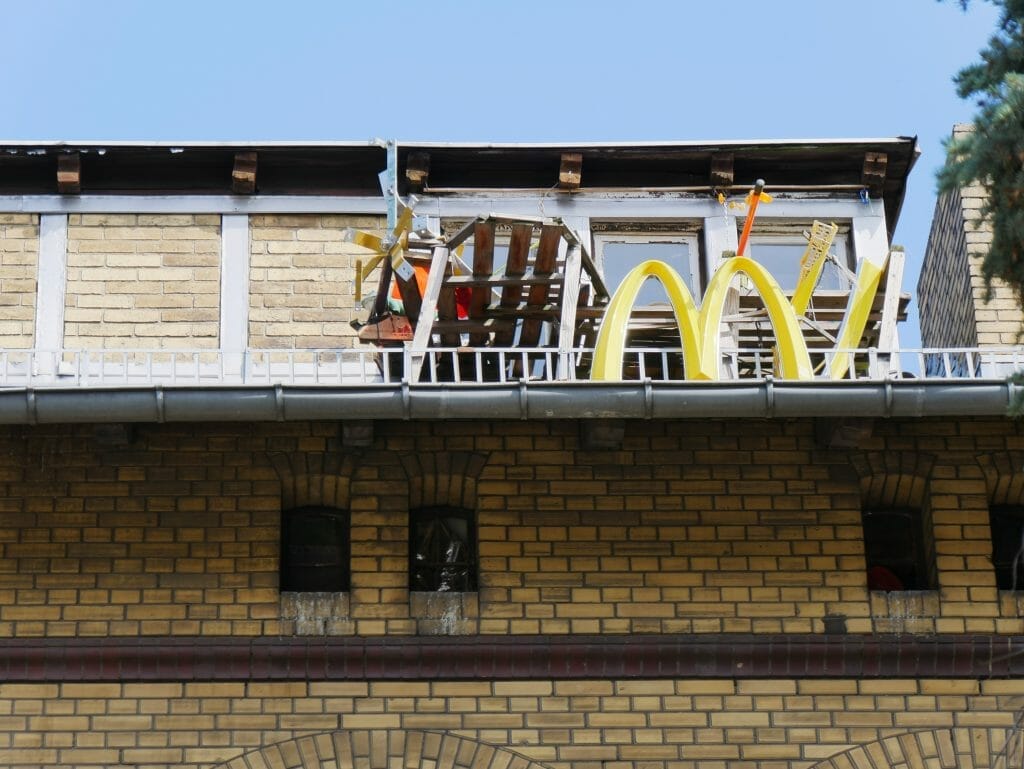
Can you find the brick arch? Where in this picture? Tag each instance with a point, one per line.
(443, 478)
(891, 479)
(1004, 477)
(314, 478)
(926, 749)
(381, 749)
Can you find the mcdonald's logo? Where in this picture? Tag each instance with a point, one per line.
(699, 329)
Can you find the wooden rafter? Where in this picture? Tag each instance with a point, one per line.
(69, 173)
(722, 173)
(243, 175)
(570, 173)
(417, 169)
(873, 172)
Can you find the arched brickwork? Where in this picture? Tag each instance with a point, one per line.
(381, 749)
(314, 478)
(444, 478)
(892, 479)
(1004, 477)
(934, 749)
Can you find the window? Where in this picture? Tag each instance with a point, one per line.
(315, 550)
(780, 248)
(619, 252)
(1007, 526)
(442, 550)
(894, 550)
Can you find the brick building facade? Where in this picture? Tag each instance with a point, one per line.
(956, 309)
(661, 575)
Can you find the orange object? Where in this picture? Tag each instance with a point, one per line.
(422, 273)
(463, 295)
(754, 198)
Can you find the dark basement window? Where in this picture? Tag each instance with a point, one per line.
(894, 550)
(442, 550)
(315, 550)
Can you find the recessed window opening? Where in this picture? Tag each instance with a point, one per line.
(442, 550)
(315, 550)
(894, 549)
(1007, 526)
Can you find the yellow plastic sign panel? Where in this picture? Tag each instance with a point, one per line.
(699, 329)
(858, 308)
(812, 263)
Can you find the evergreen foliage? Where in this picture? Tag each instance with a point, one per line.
(992, 155)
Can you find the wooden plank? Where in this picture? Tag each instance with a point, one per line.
(570, 295)
(600, 289)
(485, 326)
(570, 172)
(483, 267)
(243, 175)
(409, 289)
(69, 173)
(464, 234)
(447, 310)
(515, 267)
(543, 264)
(888, 337)
(528, 279)
(421, 338)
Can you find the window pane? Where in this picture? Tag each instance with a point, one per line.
(621, 257)
(782, 260)
(442, 553)
(894, 550)
(1007, 526)
(315, 550)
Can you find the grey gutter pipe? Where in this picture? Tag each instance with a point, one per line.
(762, 399)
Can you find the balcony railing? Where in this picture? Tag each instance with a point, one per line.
(466, 366)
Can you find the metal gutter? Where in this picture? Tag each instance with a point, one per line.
(765, 399)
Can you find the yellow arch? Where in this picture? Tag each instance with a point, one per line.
(611, 339)
(699, 329)
(794, 360)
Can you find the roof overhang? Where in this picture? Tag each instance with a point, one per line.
(351, 168)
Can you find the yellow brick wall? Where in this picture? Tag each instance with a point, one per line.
(660, 724)
(956, 309)
(142, 281)
(19, 260)
(701, 527)
(302, 281)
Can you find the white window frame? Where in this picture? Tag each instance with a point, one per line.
(690, 239)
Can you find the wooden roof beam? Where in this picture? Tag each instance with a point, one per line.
(570, 173)
(243, 175)
(417, 169)
(873, 173)
(69, 173)
(722, 171)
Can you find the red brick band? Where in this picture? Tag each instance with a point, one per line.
(509, 658)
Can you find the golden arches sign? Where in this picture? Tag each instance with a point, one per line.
(699, 329)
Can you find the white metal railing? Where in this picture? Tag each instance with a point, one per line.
(463, 365)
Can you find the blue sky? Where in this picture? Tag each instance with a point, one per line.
(524, 71)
